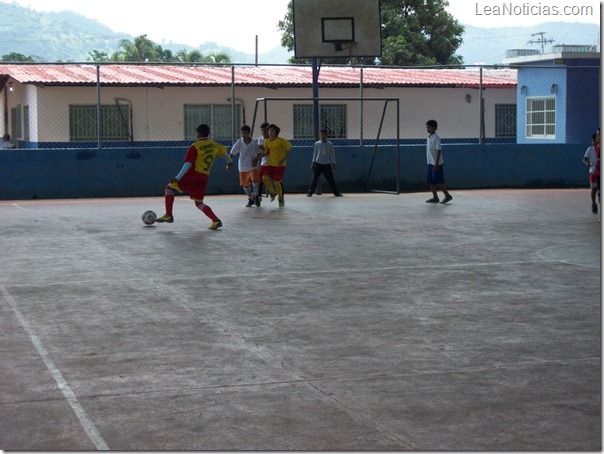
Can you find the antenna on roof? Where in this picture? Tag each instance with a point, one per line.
(541, 41)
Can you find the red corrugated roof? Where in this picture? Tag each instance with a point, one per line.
(278, 76)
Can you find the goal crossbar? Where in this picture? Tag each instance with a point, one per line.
(361, 99)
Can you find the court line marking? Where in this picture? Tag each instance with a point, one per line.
(68, 393)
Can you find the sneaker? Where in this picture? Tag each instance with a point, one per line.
(339, 194)
(281, 202)
(309, 194)
(273, 197)
(175, 186)
(215, 225)
(432, 200)
(165, 218)
(594, 209)
(258, 200)
(447, 199)
(250, 203)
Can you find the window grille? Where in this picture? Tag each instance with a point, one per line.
(26, 123)
(332, 118)
(541, 118)
(16, 130)
(505, 120)
(217, 116)
(115, 123)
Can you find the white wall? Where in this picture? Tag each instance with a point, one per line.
(158, 112)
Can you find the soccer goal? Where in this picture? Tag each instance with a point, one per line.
(371, 125)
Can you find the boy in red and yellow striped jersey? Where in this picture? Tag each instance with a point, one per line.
(193, 176)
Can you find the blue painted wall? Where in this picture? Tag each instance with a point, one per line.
(577, 98)
(582, 104)
(128, 172)
(538, 83)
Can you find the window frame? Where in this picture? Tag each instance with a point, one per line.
(115, 122)
(217, 116)
(506, 115)
(335, 123)
(541, 122)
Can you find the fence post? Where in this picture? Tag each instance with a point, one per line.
(481, 113)
(361, 141)
(233, 122)
(98, 106)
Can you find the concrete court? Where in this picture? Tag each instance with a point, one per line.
(368, 322)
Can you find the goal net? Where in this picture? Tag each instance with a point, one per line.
(370, 125)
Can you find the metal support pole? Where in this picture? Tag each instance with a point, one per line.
(315, 97)
(361, 140)
(233, 110)
(481, 112)
(98, 106)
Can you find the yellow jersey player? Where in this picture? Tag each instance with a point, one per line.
(277, 149)
(193, 177)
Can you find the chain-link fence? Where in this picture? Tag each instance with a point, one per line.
(106, 106)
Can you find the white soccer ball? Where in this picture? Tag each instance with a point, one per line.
(149, 217)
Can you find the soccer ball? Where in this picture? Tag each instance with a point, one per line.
(149, 217)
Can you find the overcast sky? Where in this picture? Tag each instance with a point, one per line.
(236, 23)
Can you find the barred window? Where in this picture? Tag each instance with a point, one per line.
(505, 120)
(15, 114)
(541, 118)
(115, 122)
(26, 123)
(217, 116)
(332, 117)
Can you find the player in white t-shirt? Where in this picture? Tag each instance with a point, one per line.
(436, 174)
(248, 151)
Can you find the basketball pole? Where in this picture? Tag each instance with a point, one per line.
(315, 107)
(315, 96)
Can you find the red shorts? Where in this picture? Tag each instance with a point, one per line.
(594, 181)
(195, 184)
(276, 173)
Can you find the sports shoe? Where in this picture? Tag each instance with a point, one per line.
(215, 225)
(175, 186)
(250, 203)
(273, 197)
(432, 200)
(339, 194)
(309, 194)
(258, 200)
(281, 202)
(165, 218)
(447, 198)
(594, 209)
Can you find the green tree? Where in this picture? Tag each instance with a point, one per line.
(98, 56)
(218, 57)
(164, 55)
(140, 49)
(14, 56)
(414, 33)
(189, 56)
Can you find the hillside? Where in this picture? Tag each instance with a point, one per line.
(67, 36)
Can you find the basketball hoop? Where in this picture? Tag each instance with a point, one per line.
(346, 45)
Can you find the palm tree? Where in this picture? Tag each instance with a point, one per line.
(217, 57)
(191, 56)
(141, 49)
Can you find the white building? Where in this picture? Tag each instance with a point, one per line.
(59, 105)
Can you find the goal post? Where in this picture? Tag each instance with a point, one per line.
(370, 123)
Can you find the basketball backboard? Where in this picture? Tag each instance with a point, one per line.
(337, 28)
